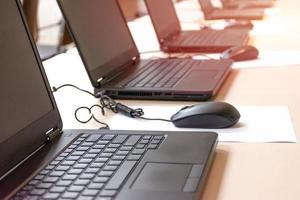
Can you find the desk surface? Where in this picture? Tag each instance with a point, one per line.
(240, 170)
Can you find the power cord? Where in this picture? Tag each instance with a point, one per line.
(107, 103)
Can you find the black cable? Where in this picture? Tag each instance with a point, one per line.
(55, 89)
(154, 119)
(110, 104)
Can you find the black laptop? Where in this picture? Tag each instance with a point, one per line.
(212, 13)
(113, 62)
(38, 160)
(172, 39)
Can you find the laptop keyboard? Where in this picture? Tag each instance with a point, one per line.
(93, 166)
(160, 73)
(208, 36)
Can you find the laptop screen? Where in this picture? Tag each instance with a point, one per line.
(101, 34)
(163, 16)
(24, 96)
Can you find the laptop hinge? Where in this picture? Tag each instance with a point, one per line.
(52, 133)
(102, 80)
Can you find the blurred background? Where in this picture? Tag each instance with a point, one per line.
(48, 28)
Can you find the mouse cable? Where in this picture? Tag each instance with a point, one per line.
(110, 104)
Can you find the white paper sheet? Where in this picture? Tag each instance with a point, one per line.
(257, 124)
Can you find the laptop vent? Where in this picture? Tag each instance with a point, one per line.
(121, 93)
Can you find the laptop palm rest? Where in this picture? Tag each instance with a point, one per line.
(163, 177)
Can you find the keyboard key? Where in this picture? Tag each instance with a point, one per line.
(62, 168)
(99, 146)
(82, 182)
(106, 155)
(44, 185)
(108, 193)
(132, 140)
(68, 162)
(39, 177)
(147, 137)
(44, 172)
(78, 153)
(76, 188)
(152, 146)
(93, 138)
(50, 179)
(122, 153)
(118, 157)
(140, 146)
(51, 195)
(73, 158)
(103, 142)
(114, 145)
(85, 160)
(38, 192)
(134, 157)
(90, 192)
(120, 139)
(87, 144)
(70, 195)
(109, 168)
(86, 176)
(94, 151)
(58, 189)
(101, 160)
(138, 151)
(69, 177)
(97, 165)
(144, 141)
(75, 171)
(116, 181)
(82, 148)
(90, 155)
(126, 148)
(96, 186)
(80, 165)
(105, 174)
(155, 141)
(108, 137)
(110, 150)
(114, 162)
(64, 183)
(99, 179)
(158, 137)
(92, 170)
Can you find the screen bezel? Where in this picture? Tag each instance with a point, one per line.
(23, 143)
(96, 74)
(168, 31)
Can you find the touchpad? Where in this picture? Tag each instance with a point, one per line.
(162, 177)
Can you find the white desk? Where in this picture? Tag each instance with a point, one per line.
(267, 171)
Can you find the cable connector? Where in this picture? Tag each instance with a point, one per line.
(129, 112)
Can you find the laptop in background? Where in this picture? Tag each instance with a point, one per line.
(172, 39)
(212, 13)
(247, 4)
(113, 63)
(38, 160)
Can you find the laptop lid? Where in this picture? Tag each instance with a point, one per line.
(164, 18)
(206, 6)
(104, 43)
(28, 110)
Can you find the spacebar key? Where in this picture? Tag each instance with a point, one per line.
(116, 181)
